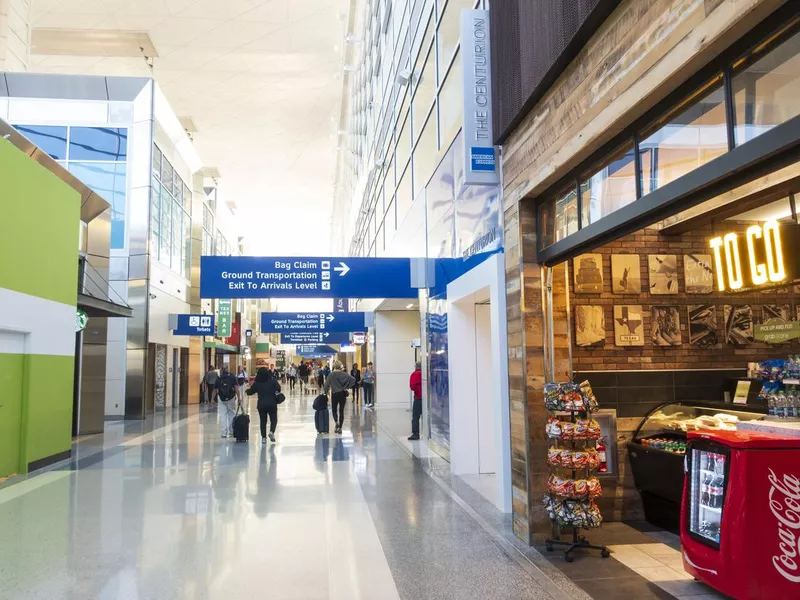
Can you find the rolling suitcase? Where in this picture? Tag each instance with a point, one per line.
(241, 427)
(322, 420)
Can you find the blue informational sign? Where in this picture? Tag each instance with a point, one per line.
(195, 325)
(341, 305)
(315, 351)
(311, 322)
(307, 337)
(304, 277)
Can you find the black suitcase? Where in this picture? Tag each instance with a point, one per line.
(241, 428)
(322, 420)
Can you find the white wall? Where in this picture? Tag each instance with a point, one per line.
(467, 352)
(394, 356)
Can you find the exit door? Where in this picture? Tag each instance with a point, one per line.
(11, 376)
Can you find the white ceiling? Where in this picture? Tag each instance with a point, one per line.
(262, 82)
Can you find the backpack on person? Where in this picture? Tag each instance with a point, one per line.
(226, 388)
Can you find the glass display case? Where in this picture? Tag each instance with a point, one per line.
(658, 446)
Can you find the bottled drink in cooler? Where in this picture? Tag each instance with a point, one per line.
(705, 490)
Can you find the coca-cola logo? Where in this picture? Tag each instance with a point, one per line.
(784, 502)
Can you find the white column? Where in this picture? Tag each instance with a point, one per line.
(15, 35)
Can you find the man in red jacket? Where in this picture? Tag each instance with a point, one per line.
(415, 383)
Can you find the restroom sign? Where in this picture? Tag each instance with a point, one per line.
(763, 255)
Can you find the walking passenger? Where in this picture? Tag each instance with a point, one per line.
(322, 375)
(211, 377)
(415, 383)
(267, 387)
(355, 373)
(227, 392)
(368, 383)
(338, 383)
(241, 379)
(303, 372)
(292, 377)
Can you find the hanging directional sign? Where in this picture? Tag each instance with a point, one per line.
(281, 277)
(194, 325)
(283, 322)
(306, 337)
(315, 351)
(341, 305)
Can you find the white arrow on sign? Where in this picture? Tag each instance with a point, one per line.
(327, 334)
(330, 318)
(342, 269)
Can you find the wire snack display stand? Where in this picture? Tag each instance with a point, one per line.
(573, 458)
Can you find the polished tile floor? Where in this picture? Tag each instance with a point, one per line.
(166, 509)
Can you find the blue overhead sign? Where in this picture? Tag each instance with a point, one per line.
(307, 337)
(310, 322)
(194, 325)
(341, 305)
(315, 351)
(280, 277)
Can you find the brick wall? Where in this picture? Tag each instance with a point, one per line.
(686, 356)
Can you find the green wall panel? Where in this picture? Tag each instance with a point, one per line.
(47, 421)
(44, 214)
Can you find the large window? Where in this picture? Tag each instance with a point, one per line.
(98, 143)
(95, 155)
(451, 103)
(766, 92)
(693, 135)
(609, 188)
(51, 139)
(752, 94)
(170, 210)
(108, 180)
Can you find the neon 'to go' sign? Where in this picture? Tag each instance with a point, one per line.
(756, 262)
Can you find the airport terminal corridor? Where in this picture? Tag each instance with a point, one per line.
(168, 509)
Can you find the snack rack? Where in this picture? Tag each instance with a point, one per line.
(573, 441)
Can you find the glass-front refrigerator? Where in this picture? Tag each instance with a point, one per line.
(707, 491)
(740, 516)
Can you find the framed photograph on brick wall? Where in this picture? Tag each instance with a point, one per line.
(665, 323)
(626, 274)
(590, 326)
(588, 270)
(776, 311)
(628, 325)
(698, 273)
(663, 270)
(738, 324)
(702, 324)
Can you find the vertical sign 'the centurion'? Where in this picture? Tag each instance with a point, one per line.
(480, 156)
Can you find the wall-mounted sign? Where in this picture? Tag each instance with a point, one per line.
(347, 349)
(777, 331)
(248, 333)
(759, 257)
(359, 338)
(81, 319)
(480, 155)
(224, 315)
(194, 325)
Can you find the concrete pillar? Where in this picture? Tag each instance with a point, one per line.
(15, 35)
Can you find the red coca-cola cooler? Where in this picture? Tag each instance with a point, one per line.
(740, 515)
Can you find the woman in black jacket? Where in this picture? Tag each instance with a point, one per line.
(267, 387)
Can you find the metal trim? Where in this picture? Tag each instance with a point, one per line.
(776, 147)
